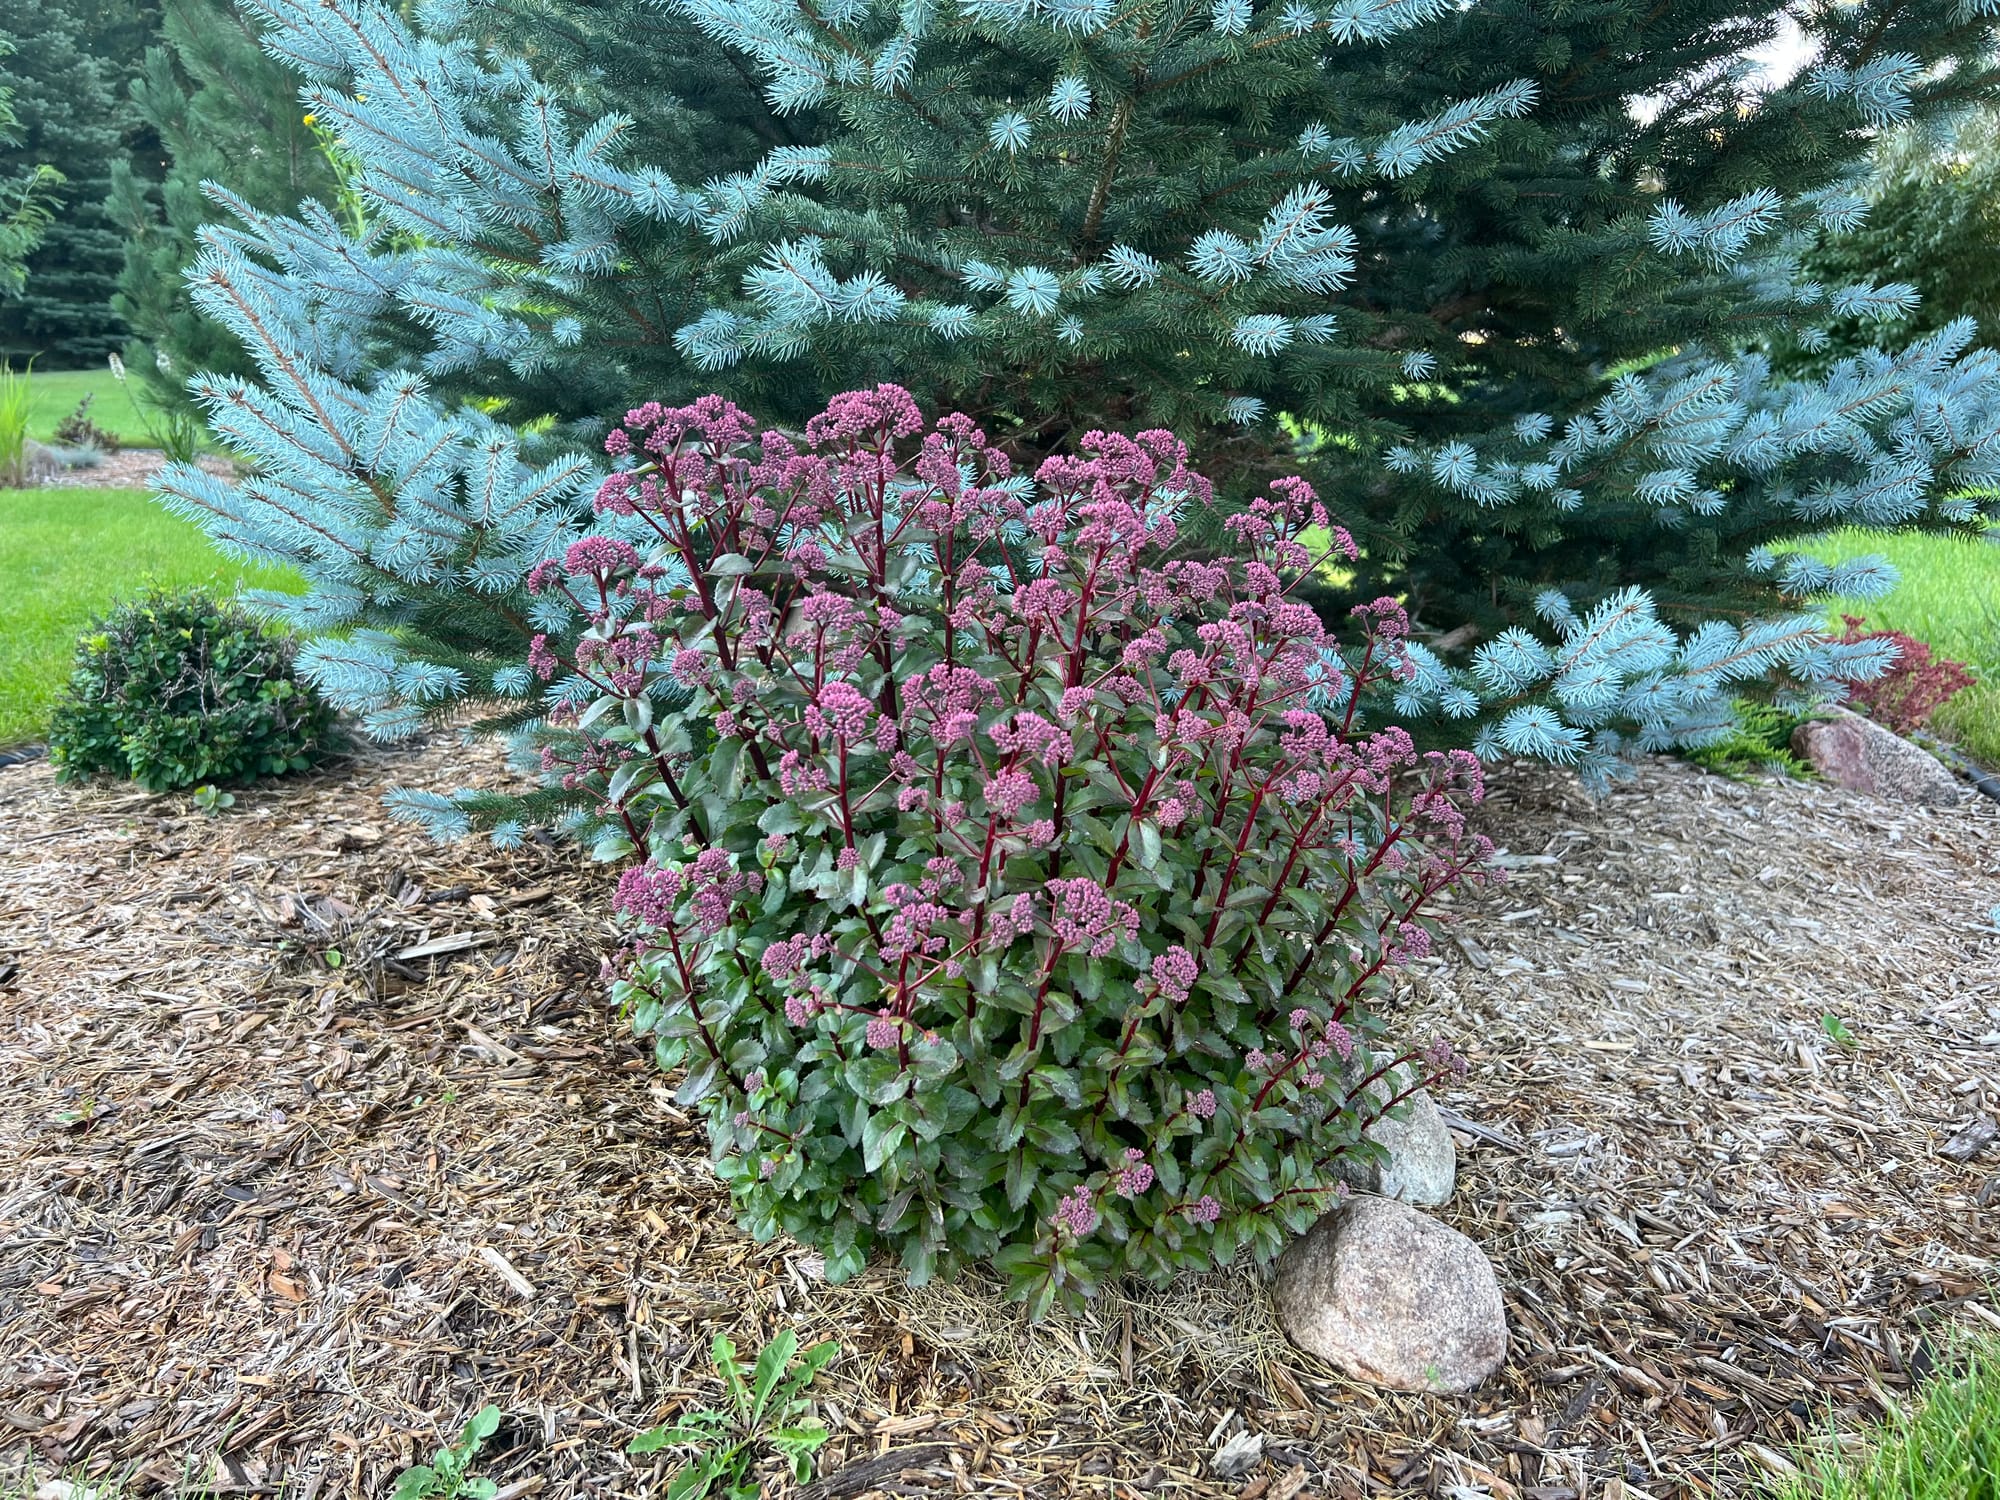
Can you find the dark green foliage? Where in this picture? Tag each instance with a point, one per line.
(1761, 741)
(68, 121)
(116, 33)
(1934, 223)
(173, 690)
(24, 212)
(223, 111)
(1515, 264)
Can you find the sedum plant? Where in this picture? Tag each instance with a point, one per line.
(1013, 887)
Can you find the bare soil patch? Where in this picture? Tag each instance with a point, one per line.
(276, 1223)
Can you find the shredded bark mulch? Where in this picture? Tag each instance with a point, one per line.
(127, 469)
(316, 1136)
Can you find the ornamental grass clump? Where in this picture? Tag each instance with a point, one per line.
(1014, 888)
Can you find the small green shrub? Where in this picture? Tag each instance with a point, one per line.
(178, 689)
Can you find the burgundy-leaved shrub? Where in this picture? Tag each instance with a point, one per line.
(1913, 687)
(1013, 888)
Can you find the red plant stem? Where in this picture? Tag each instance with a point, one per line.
(1235, 859)
(688, 988)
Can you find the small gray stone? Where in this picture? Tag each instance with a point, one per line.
(40, 462)
(1859, 754)
(1422, 1165)
(1394, 1298)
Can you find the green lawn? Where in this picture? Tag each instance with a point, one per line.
(53, 395)
(1946, 1447)
(64, 556)
(1950, 599)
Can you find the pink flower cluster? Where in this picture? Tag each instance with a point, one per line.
(652, 895)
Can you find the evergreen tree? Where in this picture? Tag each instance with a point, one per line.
(68, 121)
(24, 212)
(1934, 223)
(1442, 234)
(116, 33)
(223, 111)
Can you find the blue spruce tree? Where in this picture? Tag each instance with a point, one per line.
(1502, 277)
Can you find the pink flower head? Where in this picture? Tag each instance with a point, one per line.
(1340, 1039)
(1201, 1104)
(1075, 1212)
(1175, 971)
(888, 411)
(1207, 1211)
(1441, 1055)
(843, 712)
(648, 894)
(1009, 792)
(1030, 735)
(1136, 1176)
(883, 1032)
(600, 556)
(692, 668)
(1087, 917)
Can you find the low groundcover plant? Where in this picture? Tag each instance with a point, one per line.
(1016, 881)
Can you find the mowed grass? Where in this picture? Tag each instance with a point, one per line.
(54, 394)
(1946, 1448)
(65, 556)
(1950, 599)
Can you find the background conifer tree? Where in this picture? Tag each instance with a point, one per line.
(1510, 268)
(24, 191)
(67, 121)
(222, 110)
(1933, 222)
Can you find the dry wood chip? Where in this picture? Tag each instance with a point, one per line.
(456, 942)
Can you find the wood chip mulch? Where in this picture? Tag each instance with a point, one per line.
(127, 469)
(268, 1223)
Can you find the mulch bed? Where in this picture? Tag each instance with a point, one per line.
(127, 469)
(267, 1222)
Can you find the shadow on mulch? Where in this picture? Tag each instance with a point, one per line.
(317, 1135)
